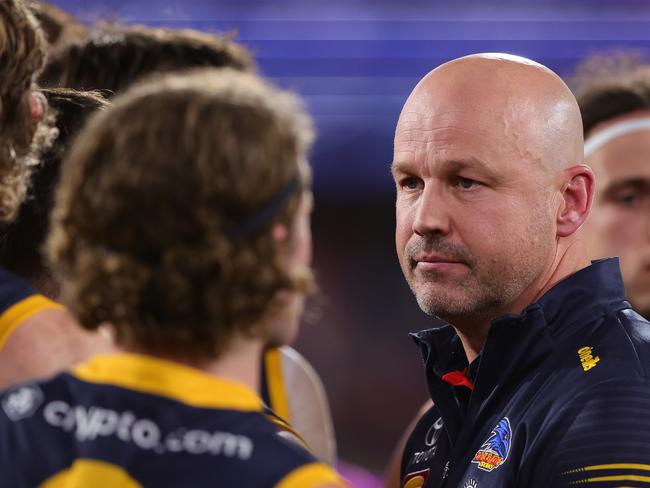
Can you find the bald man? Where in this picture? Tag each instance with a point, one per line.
(537, 367)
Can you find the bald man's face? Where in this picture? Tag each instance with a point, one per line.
(475, 210)
(619, 224)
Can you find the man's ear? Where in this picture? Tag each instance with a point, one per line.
(577, 195)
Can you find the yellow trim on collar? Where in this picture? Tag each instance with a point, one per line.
(90, 472)
(21, 311)
(275, 384)
(156, 376)
(312, 475)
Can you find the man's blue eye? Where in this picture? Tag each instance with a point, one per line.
(410, 183)
(466, 183)
(628, 200)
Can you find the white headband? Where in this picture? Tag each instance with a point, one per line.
(593, 143)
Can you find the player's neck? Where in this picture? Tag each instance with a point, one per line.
(239, 363)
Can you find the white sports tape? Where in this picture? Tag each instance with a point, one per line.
(598, 140)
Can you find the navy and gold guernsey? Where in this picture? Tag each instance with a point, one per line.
(130, 420)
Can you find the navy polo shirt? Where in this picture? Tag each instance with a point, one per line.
(559, 396)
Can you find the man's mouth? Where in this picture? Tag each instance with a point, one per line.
(433, 262)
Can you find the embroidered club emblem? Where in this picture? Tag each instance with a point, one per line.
(494, 451)
(415, 480)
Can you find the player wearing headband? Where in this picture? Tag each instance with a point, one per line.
(110, 59)
(614, 97)
(182, 225)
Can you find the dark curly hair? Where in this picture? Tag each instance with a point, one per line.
(608, 85)
(151, 196)
(22, 240)
(59, 27)
(113, 57)
(21, 58)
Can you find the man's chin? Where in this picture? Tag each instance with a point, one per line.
(446, 307)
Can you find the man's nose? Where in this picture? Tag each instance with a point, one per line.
(432, 215)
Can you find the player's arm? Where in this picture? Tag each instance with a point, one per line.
(601, 438)
(38, 337)
(297, 394)
(315, 475)
(45, 343)
(392, 478)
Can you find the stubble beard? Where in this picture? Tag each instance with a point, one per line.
(490, 285)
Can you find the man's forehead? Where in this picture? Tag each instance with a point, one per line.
(447, 130)
(412, 122)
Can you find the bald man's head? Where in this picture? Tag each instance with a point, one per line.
(528, 105)
(488, 153)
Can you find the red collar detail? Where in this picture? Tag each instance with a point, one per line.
(458, 378)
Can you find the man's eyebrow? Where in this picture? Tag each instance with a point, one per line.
(400, 166)
(637, 183)
(462, 163)
(455, 165)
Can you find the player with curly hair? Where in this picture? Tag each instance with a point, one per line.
(182, 225)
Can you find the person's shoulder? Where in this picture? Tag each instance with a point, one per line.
(295, 392)
(23, 402)
(44, 342)
(636, 330)
(314, 475)
(611, 345)
(27, 413)
(601, 433)
(618, 346)
(38, 337)
(281, 460)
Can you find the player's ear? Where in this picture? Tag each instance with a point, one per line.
(280, 232)
(37, 105)
(577, 196)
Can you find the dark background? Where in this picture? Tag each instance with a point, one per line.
(355, 63)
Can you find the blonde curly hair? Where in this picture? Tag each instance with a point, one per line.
(21, 58)
(152, 197)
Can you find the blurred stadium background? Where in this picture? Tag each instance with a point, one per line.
(355, 62)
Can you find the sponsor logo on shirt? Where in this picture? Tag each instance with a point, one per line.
(22, 402)
(470, 483)
(89, 423)
(416, 479)
(494, 451)
(587, 358)
(431, 441)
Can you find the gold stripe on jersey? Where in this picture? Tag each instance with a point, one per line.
(597, 467)
(90, 472)
(311, 475)
(275, 383)
(156, 376)
(286, 427)
(21, 311)
(623, 477)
